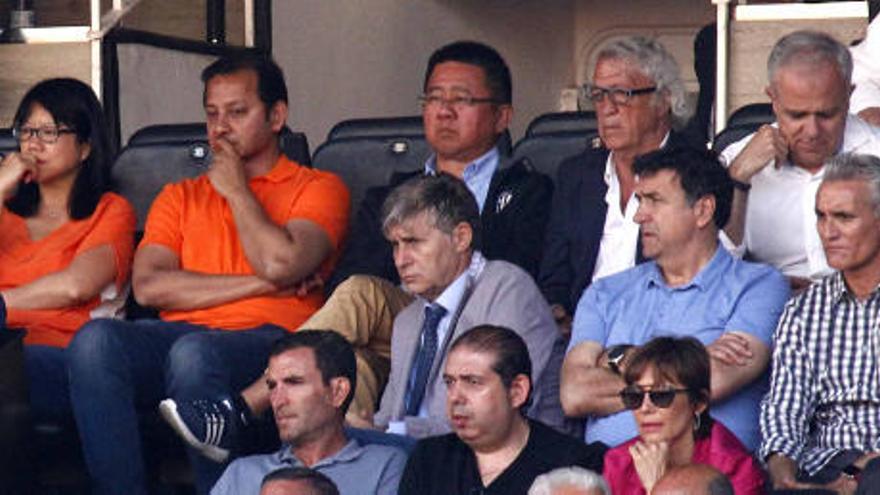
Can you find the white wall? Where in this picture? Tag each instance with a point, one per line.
(348, 59)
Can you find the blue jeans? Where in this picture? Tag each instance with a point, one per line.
(118, 368)
(46, 371)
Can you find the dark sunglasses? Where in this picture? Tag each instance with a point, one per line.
(633, 398)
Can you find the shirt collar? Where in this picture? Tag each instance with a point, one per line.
(351, 451)
(484, 165)
(283, 170)
(706, 277)
(451, 297)
(840, 292)
(611, 172)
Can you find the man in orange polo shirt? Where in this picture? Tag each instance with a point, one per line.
(222, 257)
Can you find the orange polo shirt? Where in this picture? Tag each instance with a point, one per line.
(23, 260)
(191, 219)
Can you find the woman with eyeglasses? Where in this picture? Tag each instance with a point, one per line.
(66, 241)
(667, 389)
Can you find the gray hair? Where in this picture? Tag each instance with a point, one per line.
(573, 476)
(856, 166)
(809, 48)
(656, 62)
(445, 197)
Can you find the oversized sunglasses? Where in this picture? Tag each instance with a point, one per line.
(633, 398)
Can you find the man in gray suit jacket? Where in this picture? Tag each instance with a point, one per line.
(433, 225)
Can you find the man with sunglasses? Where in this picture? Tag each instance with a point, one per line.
(638, 95)
(691, 287)
(777, 170)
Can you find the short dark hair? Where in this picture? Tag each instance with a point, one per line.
(71, 103)
(318, 482)
(334, 355)
(270, 78)
(508, 349)
(699, 172)
(445, 196)
(483, 56)
(676, 359)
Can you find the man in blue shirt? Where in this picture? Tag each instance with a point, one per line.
(311, 378)
(691, 286)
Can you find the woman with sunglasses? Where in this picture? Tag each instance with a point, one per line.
(65, 241)
(667, 389)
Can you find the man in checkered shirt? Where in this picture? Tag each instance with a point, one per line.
(821, 419)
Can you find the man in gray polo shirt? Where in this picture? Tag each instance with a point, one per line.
(311, 379)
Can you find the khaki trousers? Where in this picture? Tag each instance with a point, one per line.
(362, 309)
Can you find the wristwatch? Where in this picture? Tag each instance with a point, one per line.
(615, 356)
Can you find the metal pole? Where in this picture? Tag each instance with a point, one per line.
(216, 22)
(95, 45)
(722, 17)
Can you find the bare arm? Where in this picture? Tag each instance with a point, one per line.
(736, 359)
(586, 386)
(159, 282)
(766, 145)
(86, 276)
(281, 255)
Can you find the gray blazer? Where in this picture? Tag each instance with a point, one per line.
(503, 294)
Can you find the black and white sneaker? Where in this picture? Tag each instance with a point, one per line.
(211, 427)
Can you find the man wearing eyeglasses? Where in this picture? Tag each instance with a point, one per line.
(466, 107)
(691, 287)
(778, 169)
(638, 96)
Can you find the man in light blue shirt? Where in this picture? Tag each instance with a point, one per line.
(691, 287)
(311, 378)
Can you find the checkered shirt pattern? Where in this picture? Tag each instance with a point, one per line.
(825, 391)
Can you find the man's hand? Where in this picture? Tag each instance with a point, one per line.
(14, 169)
(783, 477)
(563, 319)
(649, 460)
(731, 349)
(767, 144)
(871, 115)
(357, 418)
(227, 173)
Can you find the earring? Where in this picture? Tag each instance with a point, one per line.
(697, 422)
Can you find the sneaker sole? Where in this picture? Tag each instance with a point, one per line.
(168, 410)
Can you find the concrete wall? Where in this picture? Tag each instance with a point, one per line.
(363, 59)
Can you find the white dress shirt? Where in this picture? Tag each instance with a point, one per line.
(620, 236)
(780, 223)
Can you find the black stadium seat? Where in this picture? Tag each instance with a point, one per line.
(394, 127)
(547, 151)
(141, 170)
(732, 134)
(378, 127)
(755, 114)
(364, 162)
(552, 123)
(7, 142)
(744, 121)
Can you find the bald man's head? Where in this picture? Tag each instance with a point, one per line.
(693, 479)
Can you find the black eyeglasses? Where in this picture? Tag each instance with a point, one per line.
(618, 96)
(457, 102)
(633, 397)
(46, 135)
